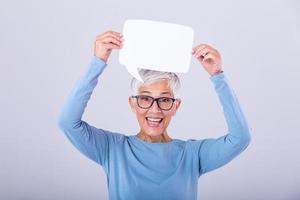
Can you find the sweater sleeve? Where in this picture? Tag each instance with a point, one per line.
(90, 141)
(214, 153)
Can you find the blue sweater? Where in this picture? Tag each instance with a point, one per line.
(141, 170)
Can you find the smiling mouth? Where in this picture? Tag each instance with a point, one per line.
(154, 122)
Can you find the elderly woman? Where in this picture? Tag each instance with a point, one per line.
(151, 164)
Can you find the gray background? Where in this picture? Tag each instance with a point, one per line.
(46, 45)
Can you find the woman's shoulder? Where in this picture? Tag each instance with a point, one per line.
(194, 144)
(112, 136)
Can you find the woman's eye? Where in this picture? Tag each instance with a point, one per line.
(145, 98)
(165, 100)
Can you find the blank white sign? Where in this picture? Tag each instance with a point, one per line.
(157, 46)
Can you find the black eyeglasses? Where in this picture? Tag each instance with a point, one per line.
(145, 102)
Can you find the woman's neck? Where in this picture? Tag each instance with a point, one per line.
(164, 138)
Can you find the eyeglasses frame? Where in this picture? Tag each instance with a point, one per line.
(154, 99)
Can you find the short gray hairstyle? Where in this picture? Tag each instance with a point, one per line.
(153, 76)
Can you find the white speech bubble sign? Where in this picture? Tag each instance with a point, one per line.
(157, 46)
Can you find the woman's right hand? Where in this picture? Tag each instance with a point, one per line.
(105, 42)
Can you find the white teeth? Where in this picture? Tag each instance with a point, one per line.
(154, 119)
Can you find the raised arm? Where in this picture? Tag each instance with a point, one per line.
(89, 140)
(214, 153)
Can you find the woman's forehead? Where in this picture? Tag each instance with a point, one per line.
(157, 88)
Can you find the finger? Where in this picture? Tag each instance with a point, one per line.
(210, 56)
(111, 46)
(195, 48)
(201, 52)
(201, 46)
(107, 44)
(109, 40)
(112, 40)
(115, 35)
(206, 50)
(111, 34)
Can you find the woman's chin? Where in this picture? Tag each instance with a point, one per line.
(153, 131)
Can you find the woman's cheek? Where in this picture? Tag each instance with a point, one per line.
(166, 121)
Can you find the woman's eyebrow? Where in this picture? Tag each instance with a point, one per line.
(166, 93)
(145, 92)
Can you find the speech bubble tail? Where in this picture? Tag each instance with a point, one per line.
(135, 73)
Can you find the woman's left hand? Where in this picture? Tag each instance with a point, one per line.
(209, 57)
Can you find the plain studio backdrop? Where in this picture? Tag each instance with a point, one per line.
(45, 46)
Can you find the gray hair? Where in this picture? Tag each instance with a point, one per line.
(152, 76)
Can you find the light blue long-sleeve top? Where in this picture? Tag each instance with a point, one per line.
(139, 170)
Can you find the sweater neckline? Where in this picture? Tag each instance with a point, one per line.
(152, 143)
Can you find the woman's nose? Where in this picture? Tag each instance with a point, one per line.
(155, 107)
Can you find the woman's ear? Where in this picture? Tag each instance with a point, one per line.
(177, 104)
(131, 104)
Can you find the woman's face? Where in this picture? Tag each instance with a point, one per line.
(154, 121)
